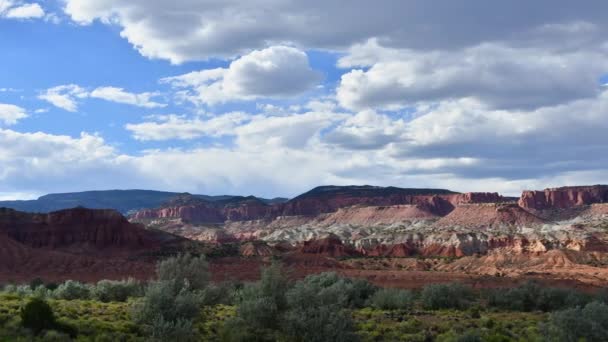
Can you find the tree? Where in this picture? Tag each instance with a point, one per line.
(37, 315)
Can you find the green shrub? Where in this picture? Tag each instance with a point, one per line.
(166, 299)
(588, 324)
(170, 304)
(531, 296)
(117, 290)
(330, 288)
(392, 299)
(317, 308)
(178, 330)
(71, 290)
(37, 315)
(219, 294)
(319, 323)
(186, 269)
(446, 296)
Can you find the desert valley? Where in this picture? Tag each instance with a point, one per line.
(392, 236)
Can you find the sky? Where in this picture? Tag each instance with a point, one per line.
(275, 97)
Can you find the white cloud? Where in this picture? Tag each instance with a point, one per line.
(27, 11)
(119, 95)
(10, 114)
(178, 127)
(64, 96)
(272, 72)
(501, 76)
(68, 96)
(18, 10)
(294, 131)
(462, 145)
(366, 130)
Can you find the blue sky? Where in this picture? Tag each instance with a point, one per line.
(182, 96)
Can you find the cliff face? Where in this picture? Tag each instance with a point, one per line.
(321, 200)
(562, 198)
(329, 199)
(102, 229)
(82, 244)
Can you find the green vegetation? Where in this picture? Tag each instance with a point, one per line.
(392, 299)
(37, 316)
(182, 305)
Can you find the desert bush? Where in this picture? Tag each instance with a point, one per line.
(117, 290)
(178, 330)
(602, 296)
(317, 308)
(531, 296)
(166, 299)
(186, 269)
(446, 296)
(580, 324)
(70, 290)
(319, 324)
(223, 293)
(260, 304)
(330, 288)
(37, 315)
(170, 304)
(19, 290)
(392, 299)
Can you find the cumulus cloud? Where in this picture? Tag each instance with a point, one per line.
(19, 10)
(278, 71)
(366, 130)
(42, 161)
(184, 30)
(11, 114)
(119, 95)
(68, 96)
(498, 75)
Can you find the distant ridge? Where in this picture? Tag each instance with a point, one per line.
(370, 190)
(124, 201)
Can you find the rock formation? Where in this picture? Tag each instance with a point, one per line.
(565, 197)
(96, 228)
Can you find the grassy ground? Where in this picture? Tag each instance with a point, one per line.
(97, 321)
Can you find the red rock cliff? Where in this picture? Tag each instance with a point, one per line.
(101, 229)
(566, 197)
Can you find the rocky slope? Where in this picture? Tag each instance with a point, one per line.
(77, 243)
